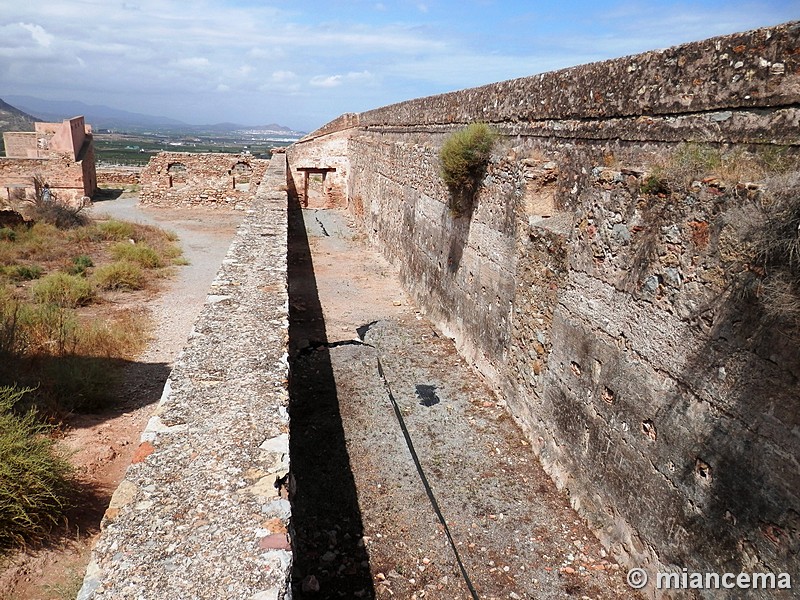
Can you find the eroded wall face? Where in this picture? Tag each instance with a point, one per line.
(182, 178)
(617, 317)
(69, 180)
(312, 190)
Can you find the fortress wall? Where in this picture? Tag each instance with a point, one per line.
(610, 314)
(203, 510)
(185, 178)
(330, 152)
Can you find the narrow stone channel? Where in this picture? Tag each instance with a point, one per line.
(364, 523)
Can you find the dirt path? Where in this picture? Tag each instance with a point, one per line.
(365, 524)
(102, 444)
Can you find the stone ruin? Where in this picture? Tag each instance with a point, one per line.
(62, 154)
(183, 178)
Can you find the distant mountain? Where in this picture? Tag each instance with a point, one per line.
(105, 117)
(99, 116)
(13, 119)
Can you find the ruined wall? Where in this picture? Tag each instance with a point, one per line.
(330, 152)
(65, 176)
(183, 178)
(62, 153)
(600, 282)
(119, 175)
(203, 511)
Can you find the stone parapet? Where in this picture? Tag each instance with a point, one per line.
(203, 511)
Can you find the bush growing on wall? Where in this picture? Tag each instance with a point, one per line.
(464, 157)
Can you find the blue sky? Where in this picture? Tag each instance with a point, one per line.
(302, 64)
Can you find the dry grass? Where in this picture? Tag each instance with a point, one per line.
(775, 238)
(120, 275)
(692, 162)
(64, 290)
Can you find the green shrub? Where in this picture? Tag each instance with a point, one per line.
(23, 272)
(139, 253)
(35, 479)
(7, 234)
(120, 275)
(61, 289)
(116, 230)
(464, 157)
(80, 264)
(79, 384)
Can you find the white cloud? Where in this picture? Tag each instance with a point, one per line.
(326, 81)
(38, 33)
(223, 88)
(194, 63)
(329, 81)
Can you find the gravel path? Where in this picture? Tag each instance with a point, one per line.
(365, 523)
(205, 235)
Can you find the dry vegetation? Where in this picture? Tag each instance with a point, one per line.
(63, 338)
(767, 183)
(464, 157)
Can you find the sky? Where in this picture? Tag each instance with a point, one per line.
(301, 64)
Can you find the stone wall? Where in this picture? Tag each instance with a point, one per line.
(329, 152)
(65, 176)
(601, 282)
(20, 144)
(203, 511)
(183, 178)
(118, 175)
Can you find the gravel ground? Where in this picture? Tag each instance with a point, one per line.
(365, 526)
(205, 235)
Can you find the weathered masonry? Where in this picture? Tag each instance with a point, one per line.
(611, 281)
(183, 178)
(203, 509)
(61, 153)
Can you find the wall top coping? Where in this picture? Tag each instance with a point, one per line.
(200, 513)
(750, 70)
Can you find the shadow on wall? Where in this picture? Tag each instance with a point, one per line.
(746, 502)
(330, 559)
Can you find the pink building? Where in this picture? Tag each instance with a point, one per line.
(61, 153)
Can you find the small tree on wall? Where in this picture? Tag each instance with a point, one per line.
(464, 157)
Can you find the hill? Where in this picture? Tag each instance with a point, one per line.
(105, 117)
(99, 116)
(13, 119)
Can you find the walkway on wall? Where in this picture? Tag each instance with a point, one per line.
(364, 523)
